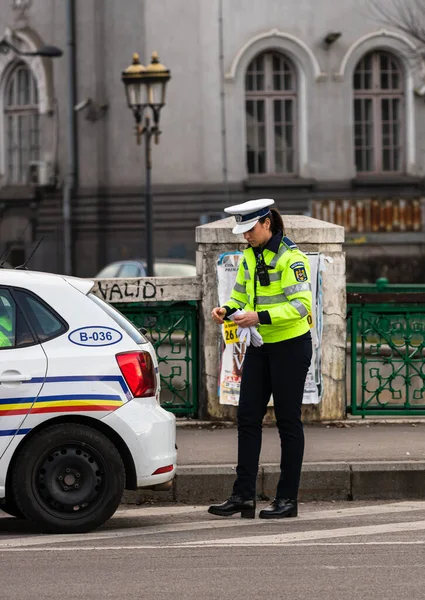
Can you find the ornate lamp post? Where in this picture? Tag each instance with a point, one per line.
(145, 89)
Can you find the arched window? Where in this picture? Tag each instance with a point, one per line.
(379, 132)
(22, 128)
(271, 115)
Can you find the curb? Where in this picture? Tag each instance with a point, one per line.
(349, 422)
(202, 484)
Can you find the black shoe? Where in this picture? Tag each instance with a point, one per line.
(234, 505)
(280, 509)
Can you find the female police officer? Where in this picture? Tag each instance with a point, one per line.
(273, 288)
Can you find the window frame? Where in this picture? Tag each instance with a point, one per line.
(21, 126)
(376, 94)
(268, 95)
(47, 306)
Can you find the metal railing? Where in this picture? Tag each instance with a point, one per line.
(172, 328)
(386, 348)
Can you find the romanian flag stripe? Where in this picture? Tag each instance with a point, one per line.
(68, 408)
(23, 408)
(85, 397)
(58, 409)
(58, 404)
(79, 397)
(73, 402)
(54, 405)
(41, 404)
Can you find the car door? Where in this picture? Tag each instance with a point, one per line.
(23, 367)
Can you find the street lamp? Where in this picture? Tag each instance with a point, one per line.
(145, 89)
(45, 51)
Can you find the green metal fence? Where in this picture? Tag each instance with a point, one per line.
(172, 327)
(386, 349)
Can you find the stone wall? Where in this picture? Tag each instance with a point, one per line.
(148, 289)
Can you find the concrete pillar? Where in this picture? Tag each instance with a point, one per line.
(311, 235)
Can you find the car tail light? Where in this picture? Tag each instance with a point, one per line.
(139, 372)
(163, 470)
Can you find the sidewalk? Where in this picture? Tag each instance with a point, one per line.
(353, 462)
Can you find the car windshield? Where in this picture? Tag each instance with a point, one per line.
(121, 320)
(132, 270)
(109, 271)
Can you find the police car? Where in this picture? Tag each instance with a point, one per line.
(80, 419)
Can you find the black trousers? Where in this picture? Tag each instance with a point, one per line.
(279, 369)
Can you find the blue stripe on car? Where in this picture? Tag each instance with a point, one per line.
(6, 432)
(72, 378)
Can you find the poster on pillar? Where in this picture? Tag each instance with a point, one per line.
(232, 355)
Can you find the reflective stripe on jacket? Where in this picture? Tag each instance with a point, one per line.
(288, 298)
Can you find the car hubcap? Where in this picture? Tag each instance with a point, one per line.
(70, 479)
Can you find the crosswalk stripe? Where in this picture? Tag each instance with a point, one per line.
(285, 538)
(205, 546)
(333, 513)
(159, 511)
(135, 531)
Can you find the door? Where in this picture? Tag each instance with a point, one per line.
(23, 367)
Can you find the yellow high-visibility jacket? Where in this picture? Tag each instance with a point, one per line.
(284, 307)
(5, 331)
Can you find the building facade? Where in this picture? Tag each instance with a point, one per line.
(313, 103)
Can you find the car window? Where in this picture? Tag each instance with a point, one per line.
(14, 330)
(131, 270)
(174, 270)
(45, 321)
(120, 319)
(109, 271)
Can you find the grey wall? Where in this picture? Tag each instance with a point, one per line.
(199, 166)
(186, 35)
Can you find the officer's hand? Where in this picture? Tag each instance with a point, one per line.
(247, 319)
(218, 314)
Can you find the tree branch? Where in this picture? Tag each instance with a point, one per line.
(408, 16)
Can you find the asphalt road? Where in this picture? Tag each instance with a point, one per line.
(354, 550)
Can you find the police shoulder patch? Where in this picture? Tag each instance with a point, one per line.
(299, 271)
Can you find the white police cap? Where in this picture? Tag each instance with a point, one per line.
(249, 213)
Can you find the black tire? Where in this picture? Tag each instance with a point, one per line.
(11, 508)
(68, 478)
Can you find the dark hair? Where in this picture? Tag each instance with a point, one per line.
(276, 223)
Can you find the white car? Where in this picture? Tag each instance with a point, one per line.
(166, 267)
(80, 419)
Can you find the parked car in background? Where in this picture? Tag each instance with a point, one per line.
(166, 267)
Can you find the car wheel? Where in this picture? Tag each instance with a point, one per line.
(11, 508)
(68, 478)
